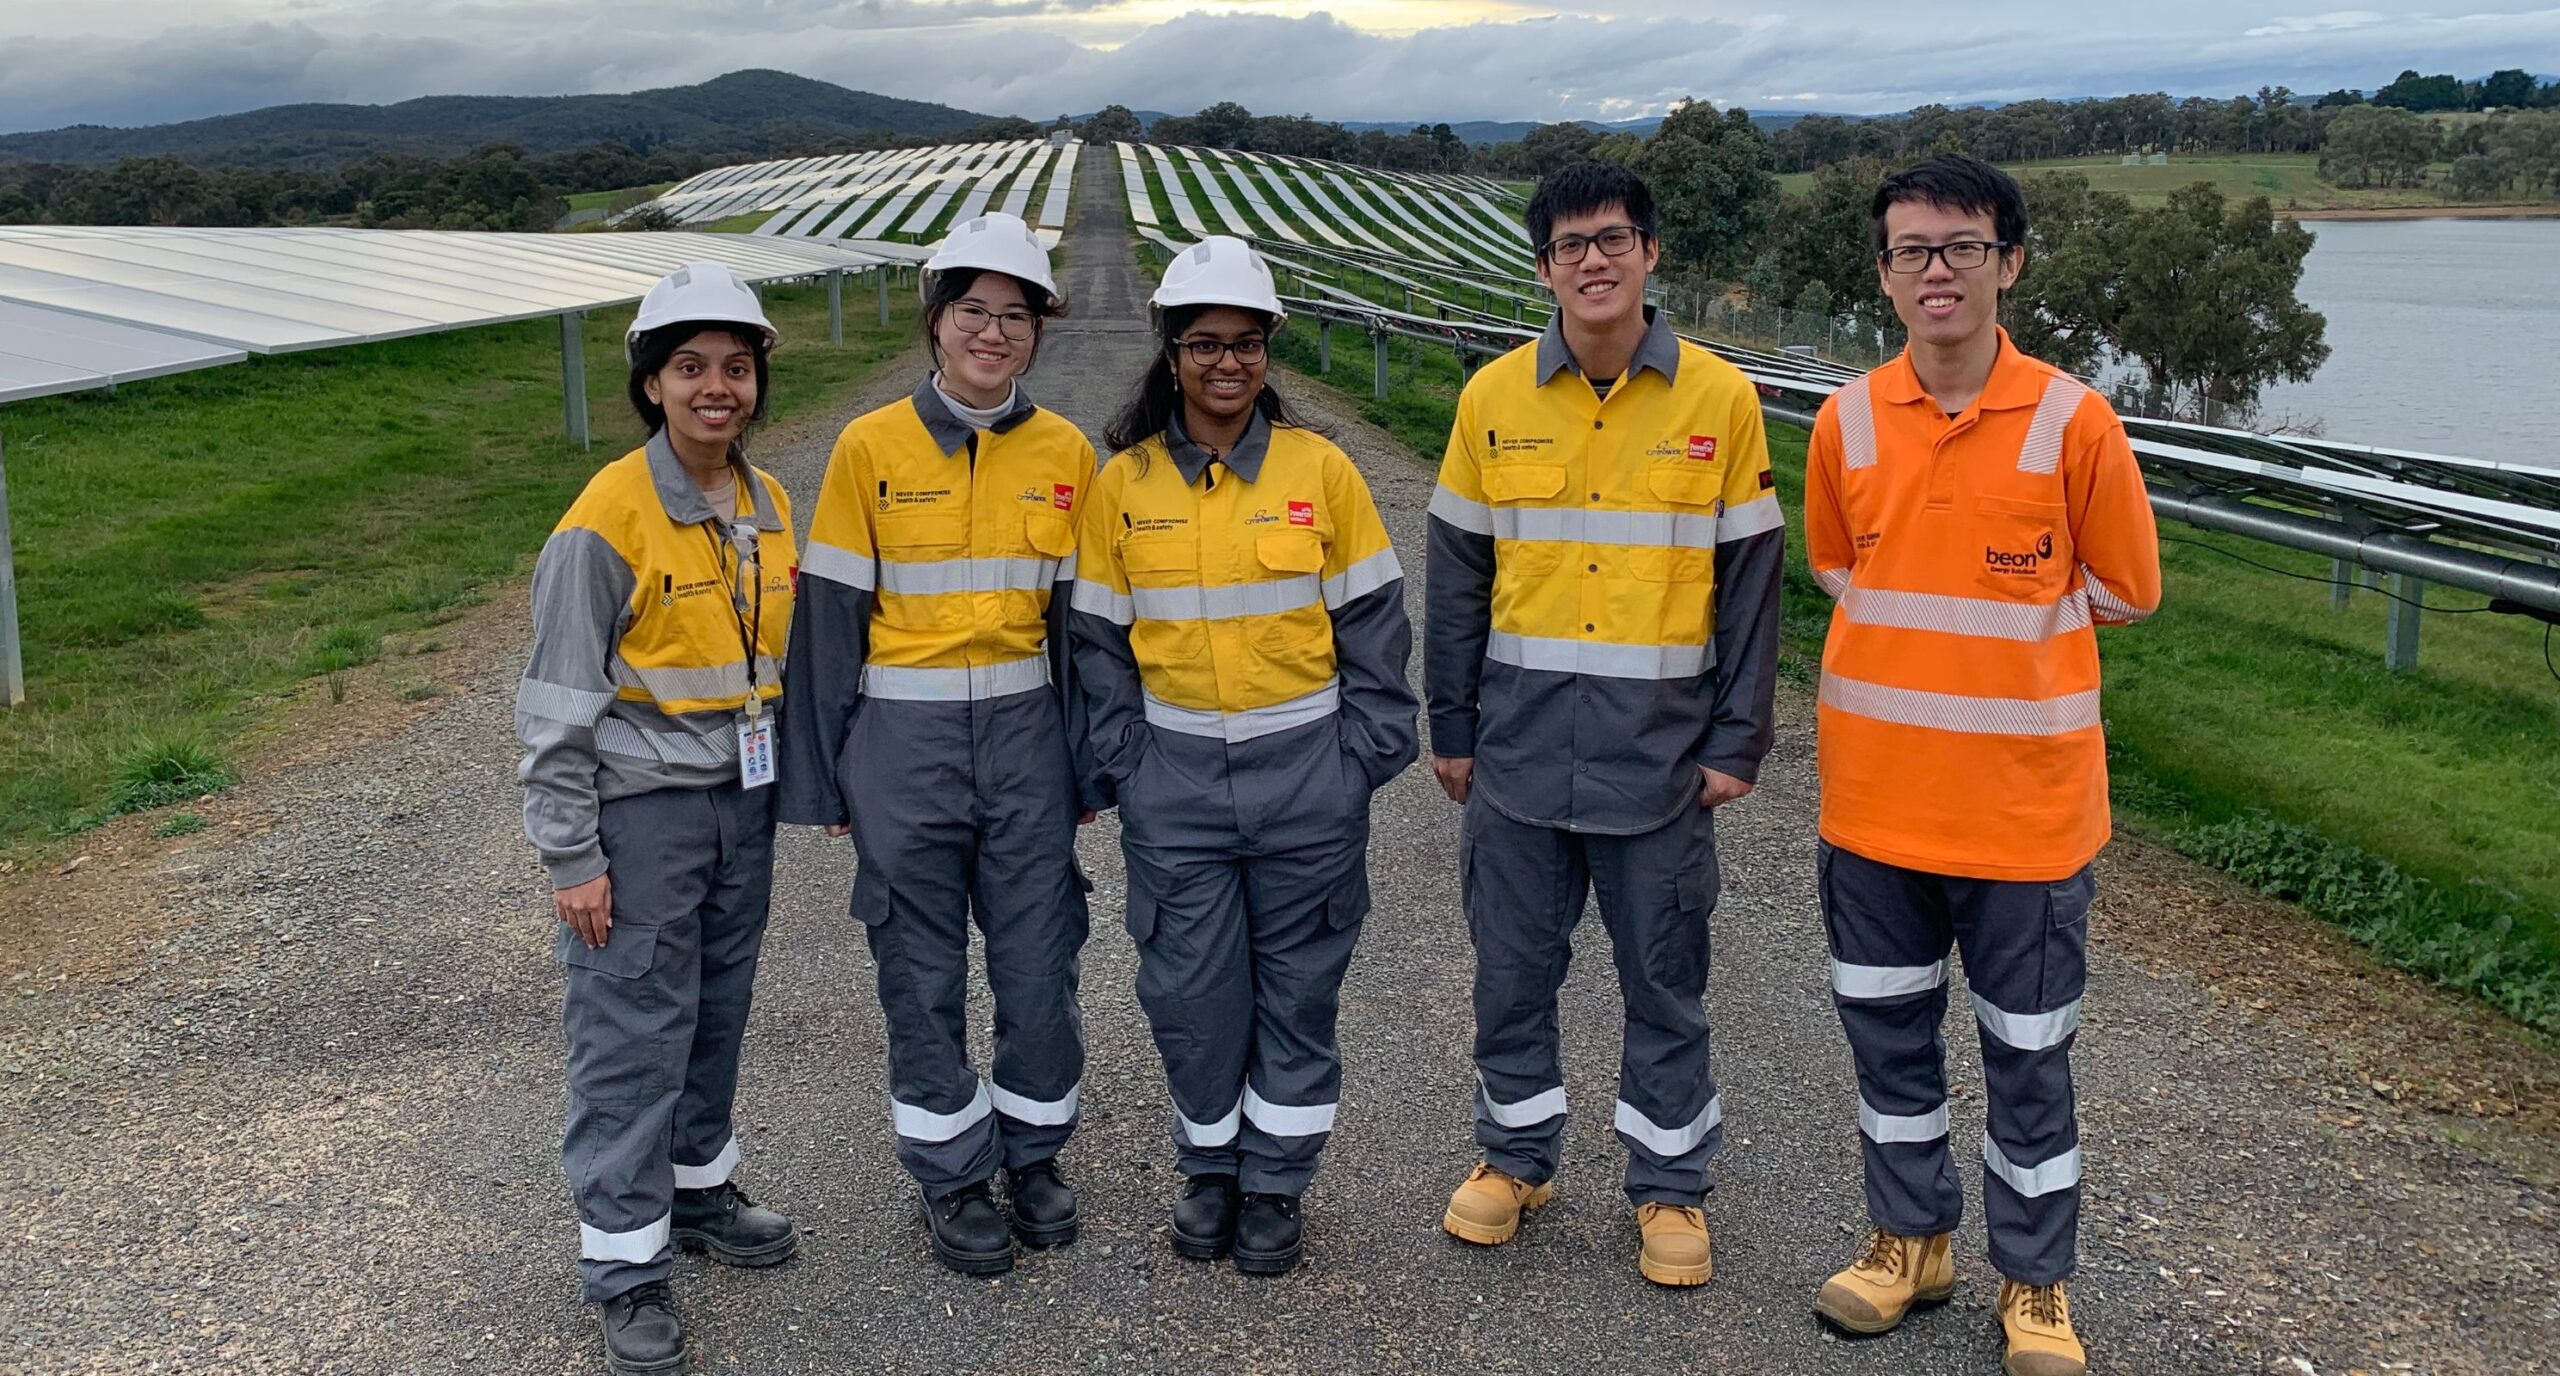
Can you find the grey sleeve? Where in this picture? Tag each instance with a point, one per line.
(821, 683)
(1457, 620)
(581, 603)
(1114, 698)
(1742, 723)
(1372, 645)
(1071, 703)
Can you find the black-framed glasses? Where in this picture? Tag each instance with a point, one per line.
(1617, 241)
(1206, 352)
(1963, 255)
(972, 319)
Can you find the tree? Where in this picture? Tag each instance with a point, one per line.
(2067, 303)
(2423, 93)
(1114, 124)
(1712, 182)
(2476, 177)
(1547, 147)
(2208, 300)
(1225, 125)
(2382, 143)
(1827, 236)
(2511, 88)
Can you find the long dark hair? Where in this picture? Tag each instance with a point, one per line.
(1159, 396)
(953, 283)
(649, 357)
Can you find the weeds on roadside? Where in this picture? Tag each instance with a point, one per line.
(158, 773)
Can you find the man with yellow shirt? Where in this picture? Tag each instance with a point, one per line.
(1600, 653)
(1974, 513)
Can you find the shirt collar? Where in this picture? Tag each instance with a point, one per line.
(1245, 460)
(949, 431)
(682, 496)
(2016, 380)
(1658, 350)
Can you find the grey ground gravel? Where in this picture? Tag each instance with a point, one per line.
(313, 1128)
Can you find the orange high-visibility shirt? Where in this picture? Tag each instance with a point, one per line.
(1970, 556)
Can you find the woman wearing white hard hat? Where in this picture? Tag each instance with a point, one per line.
(932, 717)
(661, 605)
(1240, 636)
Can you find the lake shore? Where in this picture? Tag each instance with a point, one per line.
(2450, 210)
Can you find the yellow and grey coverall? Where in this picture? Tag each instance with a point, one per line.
(645, 603)
(1241, 639)
(931, 709)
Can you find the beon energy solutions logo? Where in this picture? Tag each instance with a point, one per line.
(2024, 563)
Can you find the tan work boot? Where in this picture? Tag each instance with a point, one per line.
(1676, 1250)
(1894, 1274)
(1486, 1208)
(2037, 1319)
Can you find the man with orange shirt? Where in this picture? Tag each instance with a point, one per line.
(1974, 513)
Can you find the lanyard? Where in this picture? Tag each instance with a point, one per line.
(750, 633)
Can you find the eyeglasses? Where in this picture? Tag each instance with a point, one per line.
(1206, 352)
(1617, 241)
(1963, 255)
(972, 319)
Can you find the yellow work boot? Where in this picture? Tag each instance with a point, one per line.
(1676, 1250)
(2037, 1319)
(1894, 1274)
(1485, 1210)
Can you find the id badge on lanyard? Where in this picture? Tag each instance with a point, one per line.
(755, 748)
(755, 730)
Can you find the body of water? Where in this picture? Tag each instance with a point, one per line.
(2442, 337)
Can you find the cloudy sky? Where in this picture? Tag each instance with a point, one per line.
(146, 61)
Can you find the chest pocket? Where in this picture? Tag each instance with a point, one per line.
(1525, 484)
(1168, 630)
(1294, 560)
(1688, 492)
(2024, 547)
(917, 550)
(1047, 538)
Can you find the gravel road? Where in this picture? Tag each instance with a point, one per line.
(306, 1120)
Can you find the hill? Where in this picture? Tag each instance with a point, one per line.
(744, 111)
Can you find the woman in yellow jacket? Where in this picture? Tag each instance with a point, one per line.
(932, 718)
(1241, 639)
(661, 605)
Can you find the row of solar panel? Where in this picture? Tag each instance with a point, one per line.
(911, 194)
(1275, 201)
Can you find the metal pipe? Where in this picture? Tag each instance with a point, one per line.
(573, 376)
(2514, 580)
(835, 308)
(13, 666)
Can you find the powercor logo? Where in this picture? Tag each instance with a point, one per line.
(2019, 562)
(1063, 496)
(1302, 513)
(1702, 447)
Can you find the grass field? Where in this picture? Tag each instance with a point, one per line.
(190, 548)
(2290, 180)
(2252, 726)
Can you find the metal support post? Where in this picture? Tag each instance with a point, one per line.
(1378, 353)
(2342, 584)
(13, 664)
(2400, 633)
(573, 376)
(1324, 346)
(835, 308)
(880, 288)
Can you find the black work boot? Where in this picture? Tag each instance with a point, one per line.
(1204, 1219)
(642, 1336)
(734, 1229)
(969, 1232)
(1044, 1209)
(1268, 1234)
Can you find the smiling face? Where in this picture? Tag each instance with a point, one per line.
(1599, 293)
(1943, 306)
(1222, 390)
(708, 390)
(979, 365)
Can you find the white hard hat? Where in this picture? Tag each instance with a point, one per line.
(993, 242)
(1220, 270)
(705, 292)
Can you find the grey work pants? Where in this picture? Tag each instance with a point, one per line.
(654, 1019)
(2025, 949)
(1524, 888)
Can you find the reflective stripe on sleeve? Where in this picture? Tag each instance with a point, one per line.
(1974, 616)
(2105, 604)
(924, 1125)
(2028, 1031)
(1833, 581)
(1065, 571)
(1529, 1112)
(1250, 723)
(1287, 1120)
(1228, 601)
(1885, 981)
(1671, 1142)
(1361, 579)
(1043, 1113)
(1959, 712)
(638, 1246)
(711, 1175)
(560, 702)
(1887, 1127)
(2060, 1173)
(839, 565)
(1758, 516)
(614, 736)
(976, 683)
(1459, 511)
(1857, 417)
(1608, 659)
(1093, 599)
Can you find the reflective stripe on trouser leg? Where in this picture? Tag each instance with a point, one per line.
(1657, 891)
(734, 910)
(1889, 937)
(2026, 959)
(1031, 908)
(911, 803)
(1195, 980)
(1522, 889)
(1303, 909)
(629, 1012)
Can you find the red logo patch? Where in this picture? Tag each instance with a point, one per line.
(1702, 447)
(1302, 513)
(1063, 496)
